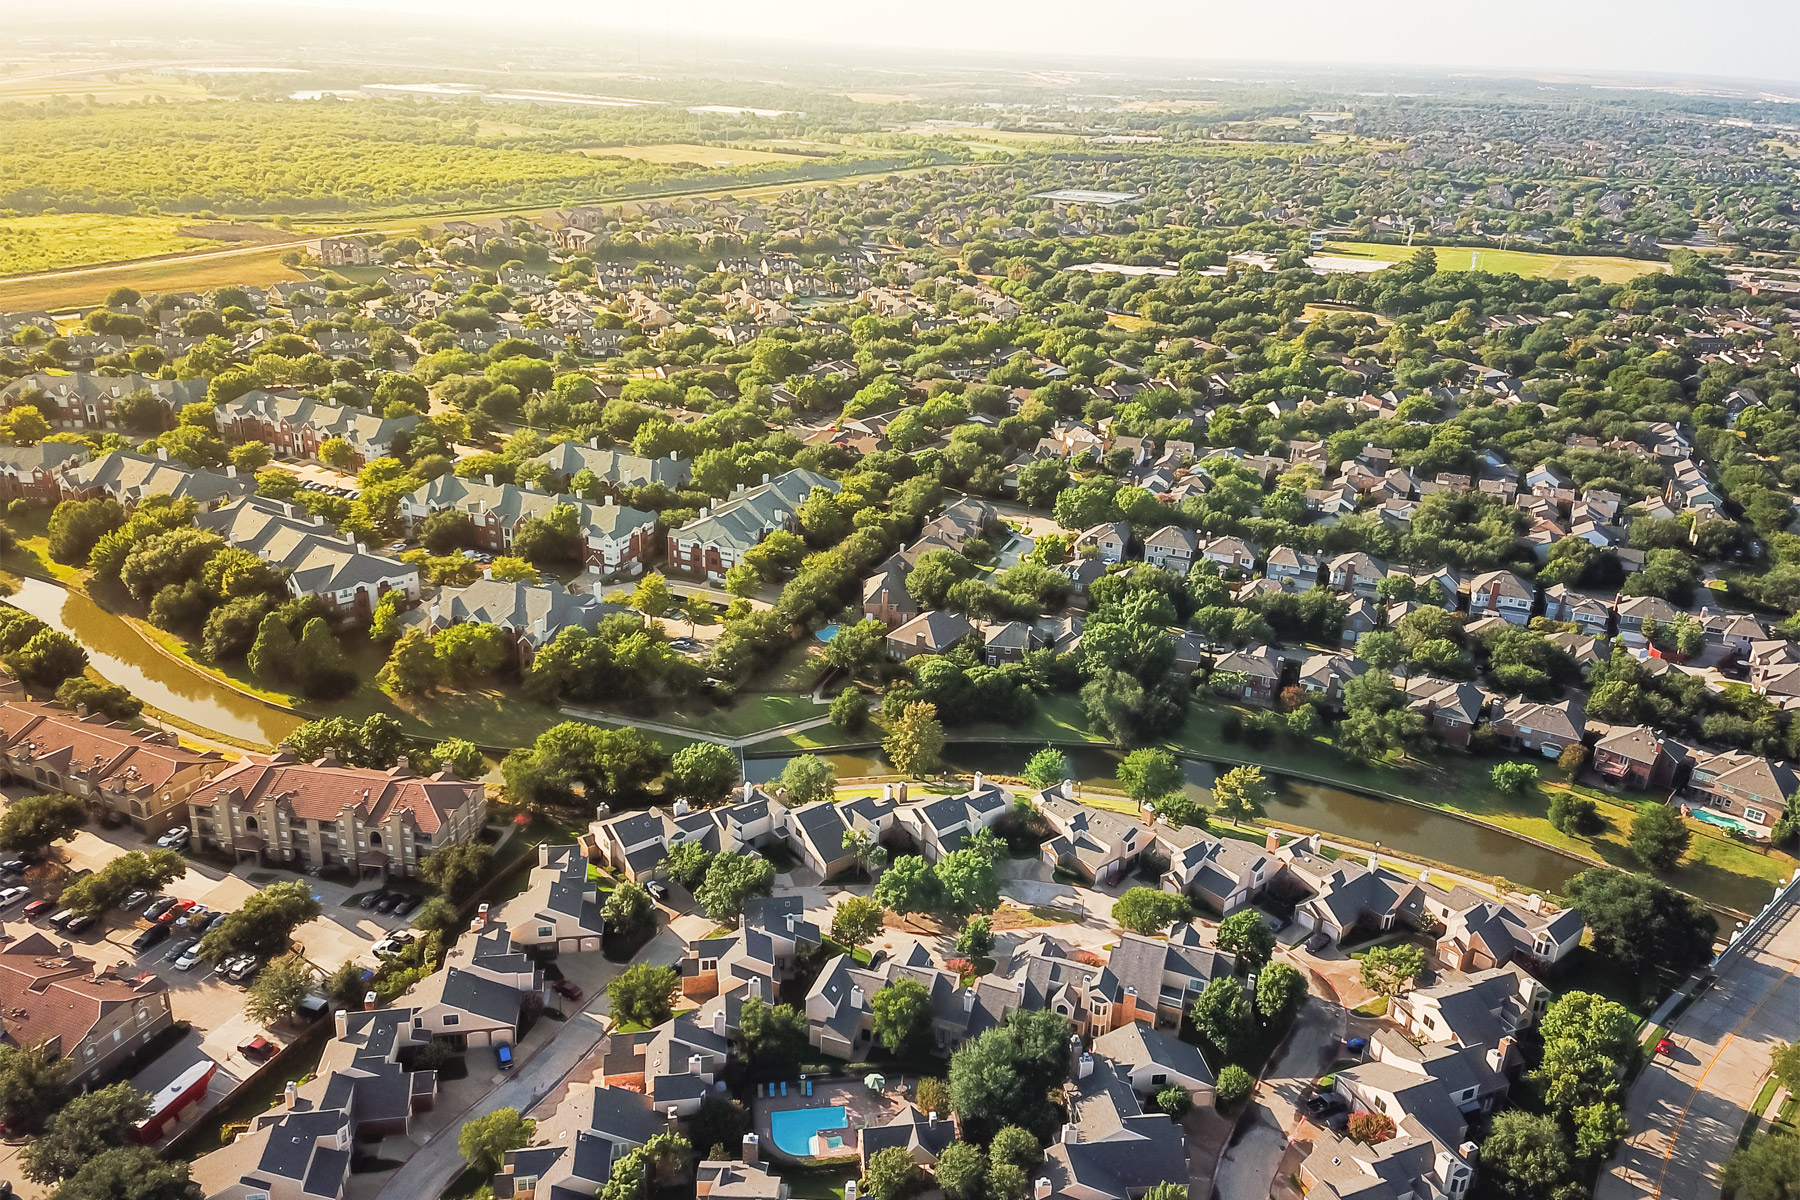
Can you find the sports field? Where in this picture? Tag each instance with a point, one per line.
(1517, 262)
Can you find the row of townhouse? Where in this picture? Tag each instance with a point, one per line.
(529, 614)
(615, 540)
(709, 546)
(1449, 1058)
(613, 468)
(319, 561)
(94, 1017)
(636, 842)
(294, 426)
(302, 1148)
(84, 400)
(885, 594)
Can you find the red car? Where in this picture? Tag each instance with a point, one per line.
(257, 1048)
(1665, 1046)
(38, 908)
(174, 911)
(567, 988)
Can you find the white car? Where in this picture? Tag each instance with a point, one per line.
(174, 839)
(13, 895)
(192, 916)
(188, 958)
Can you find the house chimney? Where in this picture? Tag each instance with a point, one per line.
(752, 1146)
(979, 782)
(289, 1094)
(900, 792)
(343, 1022)
(856, 998)
(481, 914)
(680, 809)
(1271, 843)
(1068, 789)
(849, 1189)
(1041, 1190)
(1496, 1057)
(593, 443)
(756, 987)
(673, 456)
(719, 1021)
(791, 921)
(490, 478)
(1084, 1066)
(932, 1118)
(369, 1001)
(231, 471)
(968, 999)
(749, 792)
(1070, 1134)
(162, 453)
(543, 854)
(695, 1063)
(887, 792)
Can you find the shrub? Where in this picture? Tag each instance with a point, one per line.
(1232, 1088)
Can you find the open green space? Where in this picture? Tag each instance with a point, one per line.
(1607, 268)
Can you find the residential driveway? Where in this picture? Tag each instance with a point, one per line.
(432, 1159)
(1686, 1108)
(1250, 1165)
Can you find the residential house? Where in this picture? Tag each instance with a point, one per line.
(615, 540)
(1501, 594)
(571, 1156)
(1748, 790)
(130, 478)
(714, 543)
(931, 632)
(1357, 573)
(1634, 757)
(1096, 844)
(613, 468)
(1172, 548)
(531, 614)
(319, 562)
(559, 909)
(94, 1017)
(465, 1008)
(1548, 729)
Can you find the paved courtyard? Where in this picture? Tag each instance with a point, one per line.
(1686, 1109)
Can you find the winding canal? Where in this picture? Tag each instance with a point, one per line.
(122, 656)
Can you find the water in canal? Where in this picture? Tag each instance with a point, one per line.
(1405, 828)
(123, 657)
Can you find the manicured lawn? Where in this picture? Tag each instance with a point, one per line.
(1608, 268)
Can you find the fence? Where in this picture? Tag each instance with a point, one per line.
(183, 1146)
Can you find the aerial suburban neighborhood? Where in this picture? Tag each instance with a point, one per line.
(955, 606)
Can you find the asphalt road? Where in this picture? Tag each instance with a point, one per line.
(429, 1171)
(1686, 1109)
(1247, 1169)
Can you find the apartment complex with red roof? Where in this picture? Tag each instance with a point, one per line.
(143, 776)
(93, 1016)
(312, 815)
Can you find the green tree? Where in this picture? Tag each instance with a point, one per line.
(457, 870)
(107, 699)
(1390, 970)
(967, 882)
(467, 651)
(1280, 991)
(731, 879)
(1222, 1015)
(33, 1084)
(976, 938)
(279, 989)
(891, 1175)
(808, 779)
(106, 888)
(1574, 814)
(1526, 1157)
(1004, 1075)
(628, 910)
(49, 658)
(704, 771)
(129, 1173)
(857, 921)
(1646, 926)
(644, 994)
(460, 757)
(915, 743)
(485, 1139)
(1767, 1169)
(264, 924)
(909, 886)
(1784, 1065)
(1148, 910)
(1147, 774)
(1241, 794)
(902, 1017)
(1515, 777)
(1046, 768)
(84, 1127)
(1659, 837)
(772, 1036)
(273, 655)
(653, 596)
(856, 648)
(686, 863)
(850, 710)
(32, 823)
(1248, 936)
(1232, 1087)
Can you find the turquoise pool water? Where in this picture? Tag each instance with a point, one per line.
(793, 1128)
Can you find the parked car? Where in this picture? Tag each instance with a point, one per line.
(657, 891)
(371, 899)
(174, 912)
(568, 989)
(147, 938)
(1665, 1047)
(1323, 1104)
(38, 908)
(175, 839)
(62, 917)
(210, 920)
(257, 1048)
(193, 917)
(136, 900)
(180, 948)
(389, 902)
(505, 1056)
(387, 948)
(12, 895)
(13, 866)
(187, 958)
(406, 906)
(81, 924)
(242, 969)
(158, 907)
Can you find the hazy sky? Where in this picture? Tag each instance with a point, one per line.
(1745, 39)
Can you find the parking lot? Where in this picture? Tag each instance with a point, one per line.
(200, 995)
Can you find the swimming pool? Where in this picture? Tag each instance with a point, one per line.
(793, 1128)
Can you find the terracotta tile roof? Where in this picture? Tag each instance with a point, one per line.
(45, 994)
(320, 791)
(104, 751)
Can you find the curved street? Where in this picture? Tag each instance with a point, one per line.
(1687, 1108)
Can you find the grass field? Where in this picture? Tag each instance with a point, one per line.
(1518, 262)
(46, 243)
(175, 275)
(690, 152)
(122, 90)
